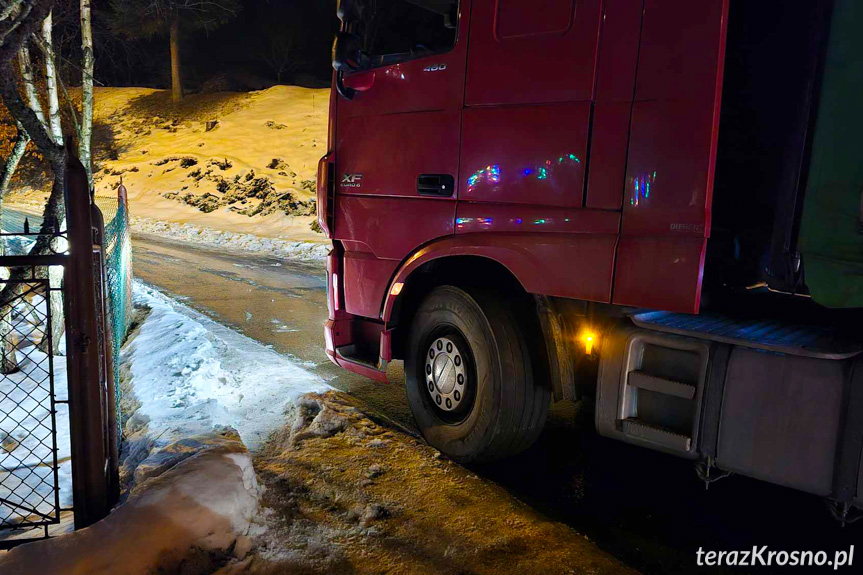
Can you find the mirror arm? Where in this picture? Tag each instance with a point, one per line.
(344, 91)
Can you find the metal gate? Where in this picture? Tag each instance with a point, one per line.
(58, 431)
(30, 406)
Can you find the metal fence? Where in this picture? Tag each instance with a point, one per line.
(58, 426)
(117, 249)
(34, 446)
(31, 403)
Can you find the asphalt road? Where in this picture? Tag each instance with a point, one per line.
(648, 509)
(276, 302)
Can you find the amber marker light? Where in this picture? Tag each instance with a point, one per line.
(589, 339)
(396, 289)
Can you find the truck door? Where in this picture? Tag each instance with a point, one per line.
(397, 139)
(530, 102)
(529, 90)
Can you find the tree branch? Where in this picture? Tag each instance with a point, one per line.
(16, 29)
(27, 117)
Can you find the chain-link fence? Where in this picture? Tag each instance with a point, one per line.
(118, 269)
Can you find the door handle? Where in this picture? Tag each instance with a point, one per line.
(440, 185)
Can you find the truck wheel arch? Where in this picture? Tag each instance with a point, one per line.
(516, 266)
(423, 272)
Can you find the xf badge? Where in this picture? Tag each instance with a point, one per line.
(352, 180)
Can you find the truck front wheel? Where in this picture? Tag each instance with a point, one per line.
(470, 377)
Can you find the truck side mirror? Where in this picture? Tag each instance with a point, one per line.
(347, 11)
(347, 57)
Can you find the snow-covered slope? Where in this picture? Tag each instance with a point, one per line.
(239, 147)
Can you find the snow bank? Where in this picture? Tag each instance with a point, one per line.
(249, 243)
(195, 493)
(192, 375)
(193, 518)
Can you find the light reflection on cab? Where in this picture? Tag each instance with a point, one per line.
(640, 188)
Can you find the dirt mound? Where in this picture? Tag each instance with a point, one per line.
(345, 494)
(246, 193)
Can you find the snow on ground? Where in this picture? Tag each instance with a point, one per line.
(342, 492)
(191, 375)
(279, 134)
(202, 393)
(198, 149)
(250, 243)
(346, 494)
(192, 519)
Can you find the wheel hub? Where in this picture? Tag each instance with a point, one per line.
(445, 374)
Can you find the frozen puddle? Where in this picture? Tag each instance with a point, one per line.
(192, 374)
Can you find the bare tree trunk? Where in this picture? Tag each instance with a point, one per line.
(26, 66)
(86, 134)
(8, 356)
(13, 39)
(9, 8)
(54, 124)
(11, 163)
(25, 19)
(18, 20)
(176, 78)
(55, 273)
(8, 346)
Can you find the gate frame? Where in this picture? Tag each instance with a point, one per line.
(92, 415)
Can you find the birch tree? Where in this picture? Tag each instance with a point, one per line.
(55, 128)
(54, 125)
(7, 170)
(85, 136)
(8, 356)
(9, 361)
(21, 21)
(25, 24)
(28, 79)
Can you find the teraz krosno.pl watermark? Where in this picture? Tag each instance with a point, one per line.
(765, 557)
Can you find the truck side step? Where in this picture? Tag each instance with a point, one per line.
(349, 358)
(650, 390)
(656, 434)
(644, 380)
(802, 340)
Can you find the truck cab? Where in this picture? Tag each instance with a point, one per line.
(651, 203)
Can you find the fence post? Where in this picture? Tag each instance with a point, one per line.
(87, 402)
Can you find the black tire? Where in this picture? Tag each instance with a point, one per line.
(505, 407)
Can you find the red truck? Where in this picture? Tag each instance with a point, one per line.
(654, 203)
